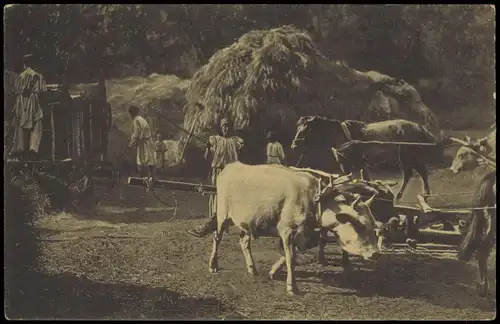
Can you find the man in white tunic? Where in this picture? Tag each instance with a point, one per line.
(224, 149)
(142, 140)
(27, 110)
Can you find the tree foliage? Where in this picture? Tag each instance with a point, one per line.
(452, 45)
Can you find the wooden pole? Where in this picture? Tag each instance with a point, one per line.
(317, 172)
(53, 126)
(440, 237)
(385, 143)
(69, 135)
(173, 185)
(410, 209)
(187, 141)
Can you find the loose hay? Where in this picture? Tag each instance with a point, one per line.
(139, 265)
(172, 267)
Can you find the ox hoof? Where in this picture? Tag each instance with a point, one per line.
(292, 291)
(252, 272)
(213, 267)
(482, 289)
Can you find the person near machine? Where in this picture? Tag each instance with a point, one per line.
(221, 149)
(28, 113)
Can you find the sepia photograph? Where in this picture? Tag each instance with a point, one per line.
(249, 162)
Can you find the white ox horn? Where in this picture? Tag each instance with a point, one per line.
(459, 141)
(369, 201)
(336, 157)
(362, 174)
(325, 189)
(482, 141)
(355, 202)
(343, 179)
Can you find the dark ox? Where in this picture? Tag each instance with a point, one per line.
(320, 134)
(465, 159)
(275, 201)
(481, 234)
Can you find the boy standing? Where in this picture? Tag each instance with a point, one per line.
(160, 149)
(275, 153)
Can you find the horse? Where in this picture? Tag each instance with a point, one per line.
(321, 134)
(481, 234)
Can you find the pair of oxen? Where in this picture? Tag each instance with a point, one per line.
(300, 205)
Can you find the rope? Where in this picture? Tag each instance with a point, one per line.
(150, 188)
(181, 128)
(466, 208)
(164, 203)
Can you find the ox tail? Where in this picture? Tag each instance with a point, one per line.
(485, 197)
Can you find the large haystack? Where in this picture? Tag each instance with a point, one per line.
(269, 78)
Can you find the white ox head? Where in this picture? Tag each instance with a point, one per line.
(353, 224)
(465, 159)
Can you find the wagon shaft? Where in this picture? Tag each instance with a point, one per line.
(452, 238)
(174, 185)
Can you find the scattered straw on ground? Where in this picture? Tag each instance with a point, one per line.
(154, 270)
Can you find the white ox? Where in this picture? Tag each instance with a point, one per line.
(465, 159)
(275, 201)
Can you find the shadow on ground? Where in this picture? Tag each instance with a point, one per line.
(132, 204)
(442, 282)
(68, 297)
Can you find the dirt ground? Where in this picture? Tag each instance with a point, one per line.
(135, 260)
